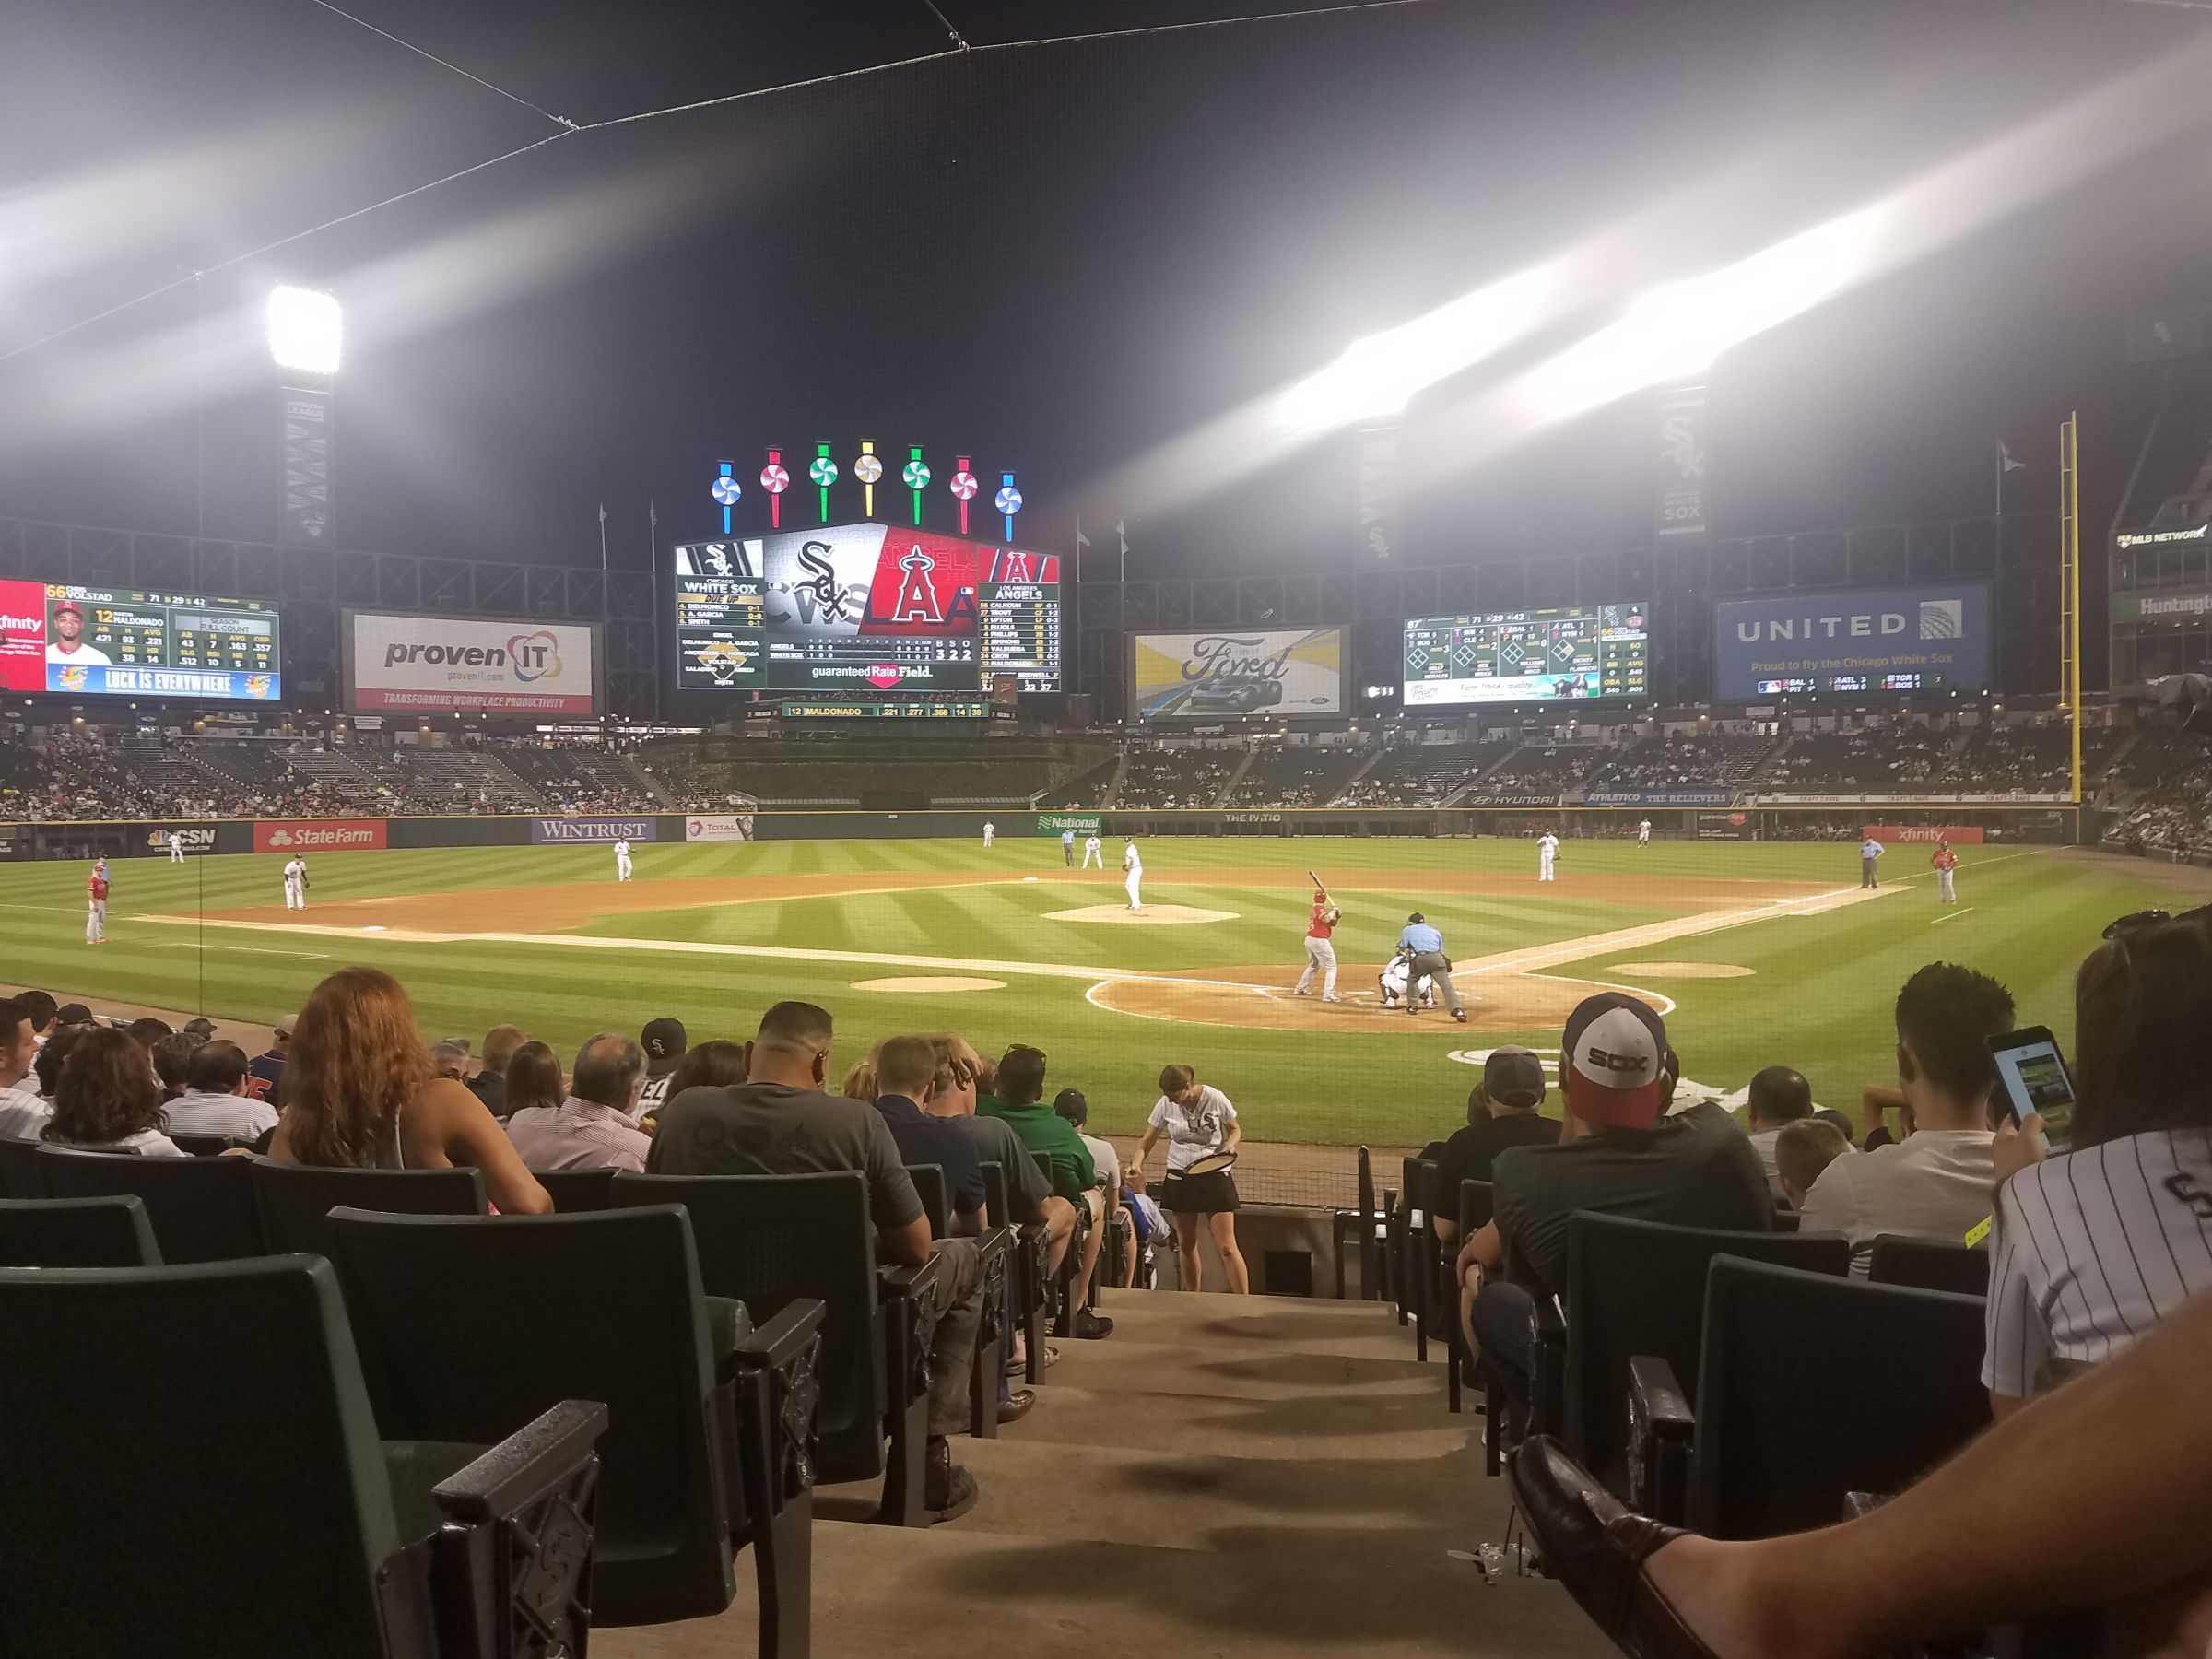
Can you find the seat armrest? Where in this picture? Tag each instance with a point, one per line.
(1548, 1366)
(780, 1392)
(1662, 1432)
(787, 1336)
(997, 1243)
(509, 1570)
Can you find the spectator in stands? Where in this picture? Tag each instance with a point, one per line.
(490, 1085)
(107, 1099)
(1838, 1121)
(2118, 1465)
(360, 1093)
(268, 1065)
(594, 1128)
(47, 1068)
(146, 1031)
(1616, 1155)
(1936, 1182)
(216, 1097)
(43, 1011)
(953, 1094)
(715, 1065)
(1802, 1150)
(2095, 1246)
(22, 1114)
(905, 1072)
(665, 1039)
(1778, 1097)
(1506, 1109)
(862, 1083)
(780, 1121)
(172, 1064)
(1199, 1121)
(1104, 1198)
(533, 1079)
(73, 1014)
(1019, 1102)
(449, 1057)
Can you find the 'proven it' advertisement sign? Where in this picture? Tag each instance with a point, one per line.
(446, 665)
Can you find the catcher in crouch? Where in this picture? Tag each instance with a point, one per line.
(1393, 979)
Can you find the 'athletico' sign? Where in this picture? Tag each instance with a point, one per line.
(1658, 797)
(544, 831)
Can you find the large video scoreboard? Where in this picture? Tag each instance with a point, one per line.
(102, 641)
(1572, 653)
(862, 607)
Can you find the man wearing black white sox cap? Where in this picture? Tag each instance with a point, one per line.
(1618, 1156)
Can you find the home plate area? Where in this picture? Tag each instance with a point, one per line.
(1261, 999)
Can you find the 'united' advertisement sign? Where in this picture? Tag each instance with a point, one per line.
(444, 665)
(318, 835)
(1873, 640)
(554, 832)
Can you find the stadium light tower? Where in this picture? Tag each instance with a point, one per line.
(305, 330)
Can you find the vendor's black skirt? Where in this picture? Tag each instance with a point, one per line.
(1211, 1195)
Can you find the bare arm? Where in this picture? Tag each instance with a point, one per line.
(460, 1130)
(1143, 1148)
(1236, 1134)
(907, 1246)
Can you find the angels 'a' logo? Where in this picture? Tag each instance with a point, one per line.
(917, 599)
(1014, 566)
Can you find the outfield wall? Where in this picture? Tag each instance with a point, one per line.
(1840, 820)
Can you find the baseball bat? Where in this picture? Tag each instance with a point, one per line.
(1319, 885)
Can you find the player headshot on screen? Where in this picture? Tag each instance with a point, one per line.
(68, 624)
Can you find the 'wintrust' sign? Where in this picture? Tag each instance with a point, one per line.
(550, 831)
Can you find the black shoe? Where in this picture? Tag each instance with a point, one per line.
(947, 1491)
(1460, 1014)
(1015, 1406)
(1091, 1326)
(1594, 1546)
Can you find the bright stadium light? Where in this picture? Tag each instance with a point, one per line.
(304, 330)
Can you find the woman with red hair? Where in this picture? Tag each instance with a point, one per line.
(360, 1093)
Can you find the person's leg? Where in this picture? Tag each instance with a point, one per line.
(1059, 1228)
(1439, 975)
(1190, 1272)
(1094, 1240)
(952, 1349)
(1499, 1325)
(1328, 978)
(1222, 1225)
(2118, 1464)
(1305, 979)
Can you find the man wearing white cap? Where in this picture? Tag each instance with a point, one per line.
(1614, 1156)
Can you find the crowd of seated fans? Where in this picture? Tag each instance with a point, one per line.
(1425, 775)
(1716, 760)
(2166, 801)
(1294, 777)
(1894, 755)
(350, 1083)
(1536, 767)
(1174, 778)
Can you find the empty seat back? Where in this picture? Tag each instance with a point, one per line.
(19, 1169)
(425, 1290)
(1638, 1288)
(77, 1232)
(929, 1183)
(1790, 1361)
(295, 1200)
(576, 1191)
(202, 1209)
(171, 1538)
(1930, 1265)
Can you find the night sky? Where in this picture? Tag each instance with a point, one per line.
(1052, 259)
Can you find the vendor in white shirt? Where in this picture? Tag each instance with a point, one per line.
(1936, 1182)
(1199, 1122)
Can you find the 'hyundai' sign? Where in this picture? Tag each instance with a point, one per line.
(544, 831)
(1873, 640)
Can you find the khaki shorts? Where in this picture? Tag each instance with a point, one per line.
(1095, 1201)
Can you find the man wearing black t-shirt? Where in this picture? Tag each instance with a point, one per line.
(1617, 1157)
(906, 1070)
(1504, 1111)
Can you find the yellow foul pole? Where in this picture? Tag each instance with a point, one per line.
(2069, 555)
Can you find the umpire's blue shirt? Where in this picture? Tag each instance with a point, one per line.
(1419, 937)
(1871, 849)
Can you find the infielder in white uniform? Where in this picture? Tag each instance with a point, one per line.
(621, 861)
(1320, 954)
(294, 883)
(1093, 853)
(1132, 875)
(1547, 849)
(989, 830)
(1643, 833)
(176, 848)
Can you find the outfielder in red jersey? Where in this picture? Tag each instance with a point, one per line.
(1320, 954)
(1944, 861)
(96, 904)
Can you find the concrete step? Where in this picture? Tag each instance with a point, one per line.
(1386, 1426)
(1244, 1372)
(1265, 1588)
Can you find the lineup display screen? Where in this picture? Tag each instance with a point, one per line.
(100, 642)
(864, 608)
(1574, 653)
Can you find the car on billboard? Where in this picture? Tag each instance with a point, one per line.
(1232, 696)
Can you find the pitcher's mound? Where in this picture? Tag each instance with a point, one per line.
(1682, 970)
(1152, 916)
(926, 986)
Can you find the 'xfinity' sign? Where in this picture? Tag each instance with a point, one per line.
(547, 831)
(1876, 640)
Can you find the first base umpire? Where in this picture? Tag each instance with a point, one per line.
(1428, 947)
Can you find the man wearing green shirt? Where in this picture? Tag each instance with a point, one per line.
(1017, 1101)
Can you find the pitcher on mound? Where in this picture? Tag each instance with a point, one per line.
(1133, 874)
(1321, 954)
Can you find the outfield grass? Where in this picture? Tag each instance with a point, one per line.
(1818, 998)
